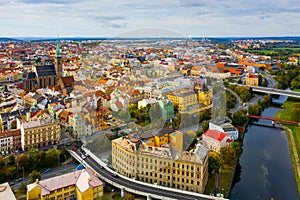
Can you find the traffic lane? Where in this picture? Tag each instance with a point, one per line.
(54, 172)
(135, 186)
(59, 170)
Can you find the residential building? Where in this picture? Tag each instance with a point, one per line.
(80, 128)
(38, 133)
(157, 157)
(53, 107)
(6, 192)
(205, 97)
(185, 101)
(225, 128)
(251, 79)
(10, 140)
(215, 140)
(145, 102)
(167, 108)
(78, 185)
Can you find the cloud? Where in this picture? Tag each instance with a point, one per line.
(265, 17)
(50, 1)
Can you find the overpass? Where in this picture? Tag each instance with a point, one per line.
(271, 91)
(137, 187)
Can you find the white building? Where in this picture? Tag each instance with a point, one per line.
(225, 128)
(79, 125)
(215, 140)
(145, 102)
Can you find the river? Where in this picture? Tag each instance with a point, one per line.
(265, 168)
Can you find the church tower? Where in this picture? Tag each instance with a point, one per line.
(58, 62)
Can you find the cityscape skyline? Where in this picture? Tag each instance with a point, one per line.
(188, 18)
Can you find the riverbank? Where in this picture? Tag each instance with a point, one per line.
(293, 133)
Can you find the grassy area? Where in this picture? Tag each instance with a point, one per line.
(210, 186)
(297, 141)
(226, 174)
(296, 90)
(286, 113)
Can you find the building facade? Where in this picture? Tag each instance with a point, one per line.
(78, 185)
(38, 133)
(10, 140)
(225, 128)
(156, 160)
(215, 140)
(79, 125)
(251, 80)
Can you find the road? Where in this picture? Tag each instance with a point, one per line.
(54, 172)
(238, 101)
(136, 186)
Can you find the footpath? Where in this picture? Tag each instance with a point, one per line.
(294, 150)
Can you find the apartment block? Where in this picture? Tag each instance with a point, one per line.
(157, 157)
(78, 185)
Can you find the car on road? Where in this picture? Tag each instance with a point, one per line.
(83, 157)
(74, 149)
(115, 175)
(68, 144)
(12, 183)
(19, 179)
(47, 170)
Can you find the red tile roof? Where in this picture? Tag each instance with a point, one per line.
(217, 135)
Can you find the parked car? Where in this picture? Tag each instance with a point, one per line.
(83, 157)
(47, 170)
(74, 149)
(68, 144)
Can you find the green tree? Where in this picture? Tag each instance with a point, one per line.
(129, 196)
(23, 160)
(205, 125)
(11, 172)
(228, 155)
(239, 118)
(11, 159)
(214, 162)
(34, 175)
(295, 112)
(52, 157)
(237, 148)
(22, 188)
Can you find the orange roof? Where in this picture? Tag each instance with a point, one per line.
(102, 81)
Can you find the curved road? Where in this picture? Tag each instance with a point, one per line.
(238, 100)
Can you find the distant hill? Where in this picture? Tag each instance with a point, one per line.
(217, 39)
(5, 39)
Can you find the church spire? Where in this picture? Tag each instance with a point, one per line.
(57, 47)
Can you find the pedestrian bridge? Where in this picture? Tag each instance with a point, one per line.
(274, 119)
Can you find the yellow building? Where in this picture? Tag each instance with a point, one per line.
(191, 102)
(78, 185)
(251, 80)
(205, 97)
(184, 99)
(157, 157)
(38, 133)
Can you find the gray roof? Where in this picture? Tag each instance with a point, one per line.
(46, 70)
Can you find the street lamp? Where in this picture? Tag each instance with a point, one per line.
(23, 172)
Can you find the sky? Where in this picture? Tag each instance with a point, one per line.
(152, 18)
